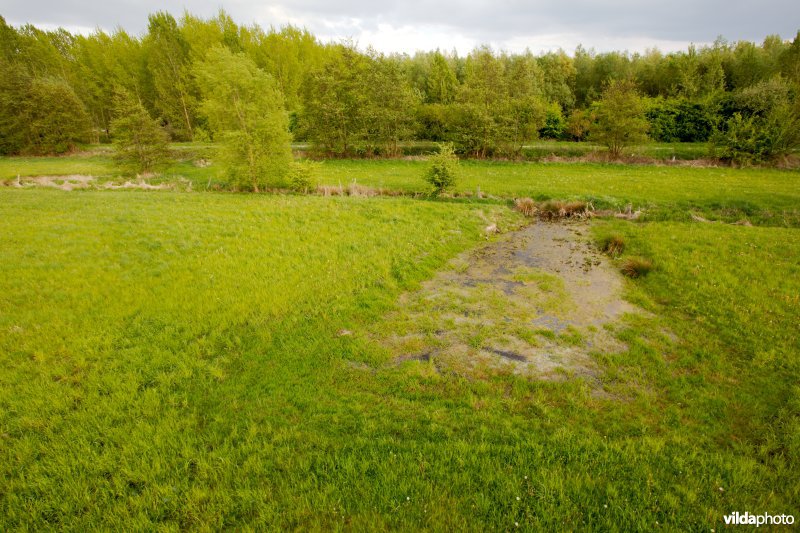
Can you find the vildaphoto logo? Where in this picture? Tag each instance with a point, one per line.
(766, 519)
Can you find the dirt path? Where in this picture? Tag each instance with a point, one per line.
(538, 301)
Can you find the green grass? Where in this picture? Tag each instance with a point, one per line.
(658, 151)
(93, 165)
(767, 196)
(172, 361)
(762, 196)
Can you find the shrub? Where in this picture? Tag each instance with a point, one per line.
(244, 109)
(754, 139)
(302, 175)
(442, 171)
(636, 267)
(579, 123)
(678, 120)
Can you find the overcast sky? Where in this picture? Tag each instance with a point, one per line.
(410, 25)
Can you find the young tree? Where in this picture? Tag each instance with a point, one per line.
(442, 172)
(139, 141)
(244, 108)
(619, 117)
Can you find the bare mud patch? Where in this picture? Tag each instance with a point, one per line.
(538, 302)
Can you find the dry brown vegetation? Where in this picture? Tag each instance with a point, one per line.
(554, 209)
(636, 267)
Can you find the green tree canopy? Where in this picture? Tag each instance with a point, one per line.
(139, 141)
(619, 117)
(245, 112)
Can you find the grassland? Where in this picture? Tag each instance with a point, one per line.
(181, 361)
(760, 195)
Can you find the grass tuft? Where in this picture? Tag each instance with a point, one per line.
(636, 267)
(612, 245)
(526, 206)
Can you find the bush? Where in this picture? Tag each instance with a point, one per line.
(754, 140)
(442, 171)
(678, 121)
(302, 175)
(579, 123)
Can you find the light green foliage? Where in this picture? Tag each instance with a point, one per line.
(498, 107)
(619, 117)
(362, 104)
(389, 99)
(442, 170)
(288, 54)
(139, 141)
(554, 123)
(303, 176)
(335, 101)
(169, 65)
(245, 111)
(442, 84)
(558, 77)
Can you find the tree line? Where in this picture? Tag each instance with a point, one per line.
(209, 79)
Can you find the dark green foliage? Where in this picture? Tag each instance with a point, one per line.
(764, 124)
(350, 103)
(139, 141)
(554, 124)
(442, 172)
(678, 120)
(57, 120)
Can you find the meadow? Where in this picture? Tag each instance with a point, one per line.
(173, 360)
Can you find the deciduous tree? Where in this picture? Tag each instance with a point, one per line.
(245, 111)
(619, 117)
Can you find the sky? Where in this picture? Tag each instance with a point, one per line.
(411, 25)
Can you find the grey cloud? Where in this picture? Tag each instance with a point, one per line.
(479, 20)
